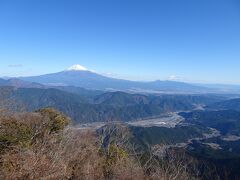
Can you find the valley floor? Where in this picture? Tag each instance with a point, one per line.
(169, 120)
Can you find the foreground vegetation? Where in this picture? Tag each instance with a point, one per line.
(42, 145)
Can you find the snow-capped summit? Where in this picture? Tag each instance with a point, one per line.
(77, 67)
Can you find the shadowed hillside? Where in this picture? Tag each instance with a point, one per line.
(115, 106)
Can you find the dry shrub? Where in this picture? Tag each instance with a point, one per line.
(53, 153)
(29, 146)
(172, 165)
(41, 146)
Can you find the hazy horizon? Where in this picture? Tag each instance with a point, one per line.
(116, 77)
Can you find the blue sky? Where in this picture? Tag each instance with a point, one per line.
(187, 40)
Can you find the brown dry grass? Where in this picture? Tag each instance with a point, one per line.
(38, 146)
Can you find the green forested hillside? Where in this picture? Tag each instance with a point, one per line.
(111, 106)
(232, 104)
(162, 135)
(226, 121)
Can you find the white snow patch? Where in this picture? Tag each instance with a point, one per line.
(77, 67)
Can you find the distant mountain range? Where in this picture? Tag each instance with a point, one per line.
(79, 77)
(18, 83)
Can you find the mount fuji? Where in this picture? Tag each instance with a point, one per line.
(80, 76)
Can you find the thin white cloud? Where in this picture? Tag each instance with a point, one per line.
(15, 65)
(173, 77)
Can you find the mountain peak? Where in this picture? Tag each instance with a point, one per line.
(77, 67)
